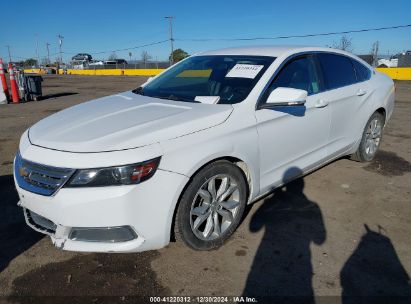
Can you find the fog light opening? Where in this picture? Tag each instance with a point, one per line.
(103, 234)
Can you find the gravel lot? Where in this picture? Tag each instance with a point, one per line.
(354, 239)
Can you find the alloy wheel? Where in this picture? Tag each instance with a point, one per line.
(215, 207)
(373, 137)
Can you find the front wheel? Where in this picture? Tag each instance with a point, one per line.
(212, 206)
(371, 139)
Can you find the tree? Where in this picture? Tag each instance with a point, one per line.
(344, 44)
(30, 62)
(145, 56)
(374, 53)
(178, 55)
(113, 56)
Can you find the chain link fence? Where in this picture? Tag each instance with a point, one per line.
(404, 60)
(132, 65)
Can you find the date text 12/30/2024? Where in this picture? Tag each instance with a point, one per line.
(203, 300)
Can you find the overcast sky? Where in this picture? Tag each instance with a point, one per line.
(102, 26)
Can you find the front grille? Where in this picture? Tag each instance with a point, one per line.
(38, 178)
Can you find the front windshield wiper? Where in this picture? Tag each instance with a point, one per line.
(176, 98)
(172, 97)
(138, 90)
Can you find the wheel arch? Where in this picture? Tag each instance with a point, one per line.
(241, 164)
(383, 112)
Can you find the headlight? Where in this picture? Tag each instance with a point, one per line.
(114, 176)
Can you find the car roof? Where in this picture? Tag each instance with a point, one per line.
(271, 50)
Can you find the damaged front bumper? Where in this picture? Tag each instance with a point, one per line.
(70, 238)
(130, 218)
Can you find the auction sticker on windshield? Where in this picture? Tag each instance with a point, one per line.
(244, 71)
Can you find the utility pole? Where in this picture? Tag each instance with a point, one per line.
(8, 49)
(48, 52)
(37, 50)
(170, 19)
(60, 44)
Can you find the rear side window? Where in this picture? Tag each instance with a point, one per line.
(361, 71)
(338, 70)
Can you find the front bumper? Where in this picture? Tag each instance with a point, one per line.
(146, 208)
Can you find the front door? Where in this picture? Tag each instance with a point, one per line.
(293, 139)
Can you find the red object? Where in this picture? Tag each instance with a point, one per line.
(13, 85)
(143, 171)
(3, 80)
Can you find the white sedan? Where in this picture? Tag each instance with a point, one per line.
(188, 150)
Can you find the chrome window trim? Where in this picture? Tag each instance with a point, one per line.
(260, 100)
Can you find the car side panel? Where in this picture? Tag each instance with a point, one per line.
(347, 115)
(237, 138)
(385, 90)
(382, 95)
(291, 137)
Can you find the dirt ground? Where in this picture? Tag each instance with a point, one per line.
(343, 230)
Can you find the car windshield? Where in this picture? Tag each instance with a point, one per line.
(227, 76)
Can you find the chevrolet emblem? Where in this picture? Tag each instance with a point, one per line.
(23, 172)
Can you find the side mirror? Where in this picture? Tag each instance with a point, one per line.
(286, 97)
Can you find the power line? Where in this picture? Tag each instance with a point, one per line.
(117, 50)
(131, 48)
(296, 36)
(235, 39)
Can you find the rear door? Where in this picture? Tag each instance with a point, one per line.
(345, 95)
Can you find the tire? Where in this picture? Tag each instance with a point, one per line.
(201, 205)
(371, 139)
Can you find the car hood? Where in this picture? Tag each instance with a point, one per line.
(124, 121)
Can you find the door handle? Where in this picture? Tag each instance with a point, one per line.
(361, 92)
(321, 103)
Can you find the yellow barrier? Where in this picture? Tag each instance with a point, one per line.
(40, 71)
(37, 71)
(396, 73)
(104, 72)
(117, 72)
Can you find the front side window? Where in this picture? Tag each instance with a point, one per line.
(230, 77)
(362, 72)
(300, 73)
(338, 70)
